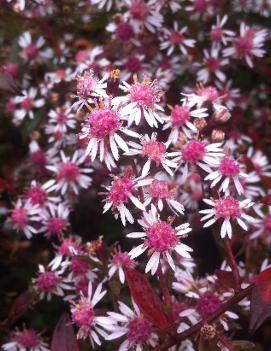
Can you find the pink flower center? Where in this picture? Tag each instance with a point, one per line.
(86, 84)
(179, 115)
(120, 191)
(47, 281)
(159, 189)
(227, 208)
(122, 259)
(39, 158)
(103, 123)
(124, 32)
(229, 167)
(207, 304)
(28, 338)
(78, 266)
(31, 51)
(37, 195)
(27, 103)
(161, 237)
(267, 222)
(193, 151)
(133, 65)
(144, 94)
(210, 93)
(244, 45)
(67, 247)
(19, 217)
(83, 315)
(56, 225)
(176, 38)
(200, 5)
(68, 172)
(139, 10)
(154, 150)
(216, 34)
(212, 64)
(139, 330)
(61, 117)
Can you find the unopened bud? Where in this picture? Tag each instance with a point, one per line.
(222, 115)
(208, 331)
(200, 123)
(217, 135)
(182, 139)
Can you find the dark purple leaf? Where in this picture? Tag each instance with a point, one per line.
(8, 83)
(63, 337)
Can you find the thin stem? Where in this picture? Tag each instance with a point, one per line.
(233, 264)
(164, 287)
(196, 328)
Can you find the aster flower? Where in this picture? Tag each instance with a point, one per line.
(199, 153)
(227, 209)
(228, 170)
(212, 65)
(180, 120)
(260, 162)
(174, 5)
(143, 14)
(24, 216)
(161, 239)
(39, 194)
(141, 102)
(102, 133)
(88, 88)
(28, 102)
(61, 119)
(118, 262)
(248, 44)
(107, 4)
(50, 282)
(160, 192)
(31, 51)
(71, 173)
(84, 316)
(25, 340)
(175, 38)
(138, 331)
(218, 34)
(262, 226)
(155, 152)
(54, 219)
(122, 190)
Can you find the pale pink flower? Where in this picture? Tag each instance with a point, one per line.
(218, 34)
(28, 102)
(25, 340)
(120, 261)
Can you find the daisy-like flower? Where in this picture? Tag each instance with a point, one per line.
(203, 96)
(192, 193)
(260, 162)
(120, 260)
(24, 216)
(28, 102)
(228, 170)
(39, 194)
(31, 51)
(262, 227)
(50, 282)
(25, 340)
(68, 248)
(107, 4)
(138, 331)
(161, 239)
(218, 34)
(248, 44)
(142, 101)
(174, 5)
(160, 191)
(198, 153)
(102, 133)
(180, 120)
(212, 65)
(88, 88)
(55, 219)
(70, 173)
(155, 152)
(124, 189)
(61, 119)
(176, 39)
(143, 14)
(227, 209)
(84, 316)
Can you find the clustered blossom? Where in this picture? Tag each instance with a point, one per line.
(148, 126)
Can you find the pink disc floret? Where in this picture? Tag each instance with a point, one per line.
(161, 237)
(193, 151)
(227, 208)
(103, 123)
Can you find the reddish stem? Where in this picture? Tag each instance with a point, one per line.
(233, 264)
(164, 287)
